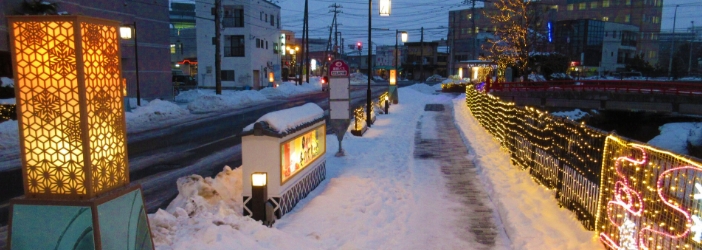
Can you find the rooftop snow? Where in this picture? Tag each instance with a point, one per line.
(286, 120)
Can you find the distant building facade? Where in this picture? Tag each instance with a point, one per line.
(466, 40)
(183, 45)
(151, 18)
(250, 43)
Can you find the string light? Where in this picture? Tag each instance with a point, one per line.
(633, 195)
(8, 112)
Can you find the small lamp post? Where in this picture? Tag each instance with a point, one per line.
(259, 196)
(393, 84)
(125, 32)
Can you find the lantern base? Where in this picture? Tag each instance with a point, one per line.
(393, 94)
(115, 220)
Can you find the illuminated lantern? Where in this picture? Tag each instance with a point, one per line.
(460, 73)
(384, 7)
(69, 90)
(271, 77)
(403, 36)
(393, 77)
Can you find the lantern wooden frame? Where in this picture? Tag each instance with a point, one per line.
(68, 86)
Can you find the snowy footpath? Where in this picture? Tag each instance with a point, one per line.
(387, 193)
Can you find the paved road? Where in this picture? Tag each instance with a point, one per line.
(159, 156)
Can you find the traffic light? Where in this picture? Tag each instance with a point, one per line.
(359, 46)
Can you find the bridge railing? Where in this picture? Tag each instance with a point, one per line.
(628, 192)
(676, 88)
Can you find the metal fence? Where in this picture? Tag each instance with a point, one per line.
(633, 195)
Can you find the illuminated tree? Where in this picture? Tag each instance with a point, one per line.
(509, 45)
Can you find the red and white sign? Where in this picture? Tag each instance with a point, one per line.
(338, 68)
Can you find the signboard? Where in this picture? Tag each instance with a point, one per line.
(338, 88)
(340, 107)
(339, 68)
(297, 153)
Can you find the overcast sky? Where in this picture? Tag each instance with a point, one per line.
(411, 15)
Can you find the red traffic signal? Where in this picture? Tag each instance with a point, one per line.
(359, 45)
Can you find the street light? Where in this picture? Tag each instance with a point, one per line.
(125, 32)
(672, 47)
(370, 50)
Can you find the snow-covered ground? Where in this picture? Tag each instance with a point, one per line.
(378, 196)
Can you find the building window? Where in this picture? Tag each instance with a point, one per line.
(606, 19)
(605, 3)
(260, 14)
(275, 48)
(582, 6)
(234, 46)
(233, 16)
(593, 5)
(627, 18)
(570, 6)
(258, 43)
(173, 49)
(266, 15)
(227, 75)
(628, 2)
(272, 21)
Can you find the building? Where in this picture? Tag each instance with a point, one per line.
(151, 19)
(618, 46)
(466, 38)
(687, 55)
(183, 45)
(250, 40)
(424, 60)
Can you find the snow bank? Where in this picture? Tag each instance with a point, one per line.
(9, 135)
(7, 82)
(574, 115)
(424, 88)
(197, 195)
(231, 99)
(8, 101)
(359, 79)
(675, 136)
(151, 114)
(288, 119)
(288, 89)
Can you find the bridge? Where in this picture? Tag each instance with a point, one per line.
(652, 96)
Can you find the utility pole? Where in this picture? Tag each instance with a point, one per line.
(307, 44)
(672, 47)
(336, 25)
(302, 53)
(421, 57)
(692, 42)
(218, 43)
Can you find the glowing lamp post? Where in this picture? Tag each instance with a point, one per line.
(393, 84)
(460, 73)
(72, 130)
(271, 78)
(259, 196)
(384, 7)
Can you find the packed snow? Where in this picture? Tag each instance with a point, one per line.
(675, 136)
(378, 196)
(574, 115)
(287, 120)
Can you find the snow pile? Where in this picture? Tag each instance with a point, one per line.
(231, 99)
(560, 76)
(197, 195)
(288, 89)
(424, 88)
(7, 82)
(206, 214)
(11, 101)
(150, 114)
(191, 95)
(289, 119)
(536, 78)
(574, 115)
(435, 78)
(9, 135)
(359, 79)
(675, 136)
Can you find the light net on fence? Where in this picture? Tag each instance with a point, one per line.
(650, 198)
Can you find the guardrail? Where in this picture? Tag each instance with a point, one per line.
(631, 194)
(675, 88)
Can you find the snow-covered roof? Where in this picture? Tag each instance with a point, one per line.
(288, 121)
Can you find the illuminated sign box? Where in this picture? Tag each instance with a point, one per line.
(294, 161)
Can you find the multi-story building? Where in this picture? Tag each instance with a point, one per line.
(250, 43)
(423, 60)
(183, 47)
(618, 46)
(596, 44)
(151, 19)
(466, 38)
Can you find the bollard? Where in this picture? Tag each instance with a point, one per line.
(259, 196)
(387, 104)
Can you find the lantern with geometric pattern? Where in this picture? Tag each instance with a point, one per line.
(69, 89)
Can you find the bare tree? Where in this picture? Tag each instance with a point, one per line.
(509, 45)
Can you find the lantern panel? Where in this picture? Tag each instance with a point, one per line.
(47, 95)
(104, 106)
